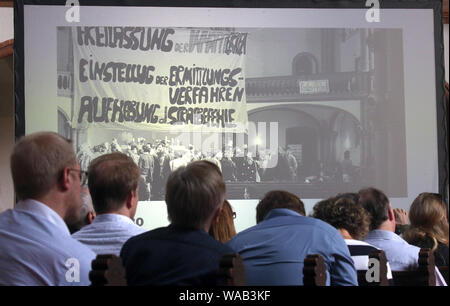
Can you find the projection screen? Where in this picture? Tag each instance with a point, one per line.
(316, 98)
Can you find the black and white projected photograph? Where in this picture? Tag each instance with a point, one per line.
(313, 101)
(314, 111)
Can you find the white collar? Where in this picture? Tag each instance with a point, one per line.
(111, 217)
(39, 208)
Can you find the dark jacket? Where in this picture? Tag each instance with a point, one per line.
(440, 254)
(173, 256)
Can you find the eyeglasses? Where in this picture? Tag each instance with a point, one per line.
(83, 176)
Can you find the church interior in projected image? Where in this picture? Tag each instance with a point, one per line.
(336, 97)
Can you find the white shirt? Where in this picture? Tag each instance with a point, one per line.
(107, 233)
(37, 250)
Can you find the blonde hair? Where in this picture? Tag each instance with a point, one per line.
(224, 229)
(37, 162)
(428, 218)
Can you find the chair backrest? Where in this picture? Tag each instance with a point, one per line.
(108, 270)
(314, 271)
(423, 275)
(372, 277)
(232, 269)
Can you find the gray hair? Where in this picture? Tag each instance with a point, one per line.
(85, 209)
(87, 206)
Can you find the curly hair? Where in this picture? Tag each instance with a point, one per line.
(344, 213)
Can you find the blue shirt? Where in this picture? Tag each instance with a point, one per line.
(274, 250)
(400, 254)
(37, 250)
(107, 233)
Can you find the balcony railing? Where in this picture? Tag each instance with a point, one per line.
(324, 86)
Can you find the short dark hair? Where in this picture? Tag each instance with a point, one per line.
(111, 178)
(344, 213)
(376, 203)
(194, 193)
(278, 199)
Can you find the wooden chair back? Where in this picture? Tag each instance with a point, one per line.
(232, 269)
(314, 271)
(365, 279)
(423, 275)
(108, 270)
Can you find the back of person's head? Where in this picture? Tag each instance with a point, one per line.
(376, 203)
(343, 213)
(87, 213)
(224, 229)
(320, 208)
(112, 178)
(194, 193)
(349, 195)
(278, 199)
(37, 163)
(428, 217)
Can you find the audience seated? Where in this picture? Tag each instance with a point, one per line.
(107, 270)
(224, 229)
(352, 222)
(182, 253)
(199, 246)
(275, 249)
(429, 226)
(113, 182)
(36, 246)
(401, 255)
(87, 212)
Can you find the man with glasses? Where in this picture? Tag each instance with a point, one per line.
(113, 184)
(35, 244)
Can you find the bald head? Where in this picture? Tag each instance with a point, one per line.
(37, 162)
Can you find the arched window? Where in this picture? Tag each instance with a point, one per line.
(64, 128)
(305, 63)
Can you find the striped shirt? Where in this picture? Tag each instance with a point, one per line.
(359, 250)
(108, 233)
